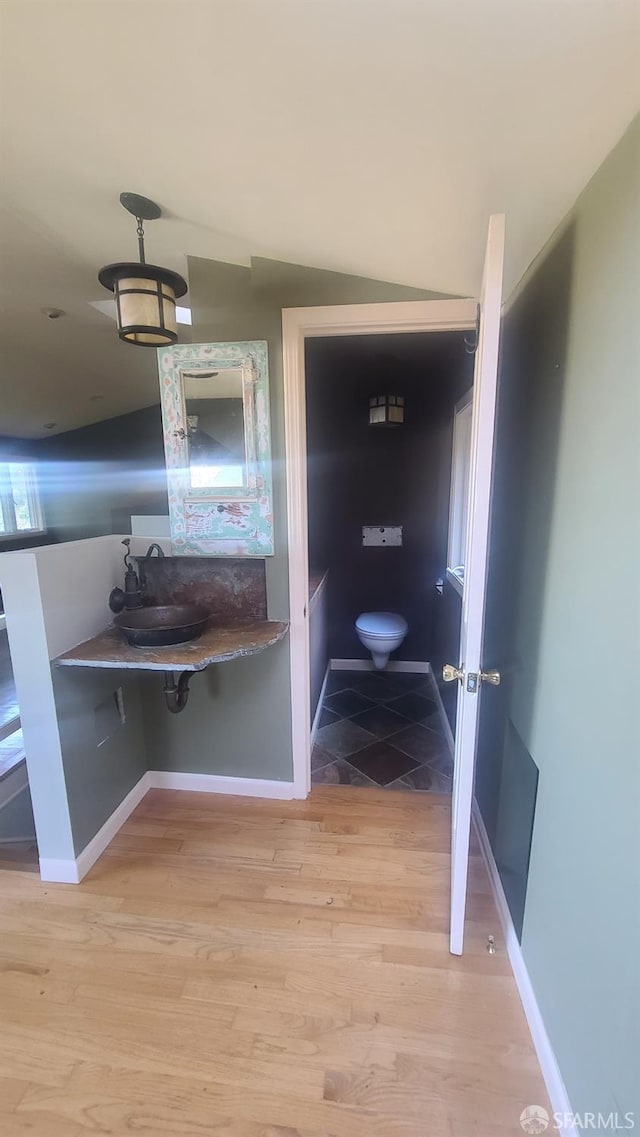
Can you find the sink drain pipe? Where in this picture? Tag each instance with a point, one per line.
(176, 690)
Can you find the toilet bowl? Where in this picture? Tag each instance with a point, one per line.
(381, 633)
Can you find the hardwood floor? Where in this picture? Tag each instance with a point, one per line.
(241, 968)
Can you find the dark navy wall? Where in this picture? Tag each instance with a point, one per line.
(94, 478)
(361, 475)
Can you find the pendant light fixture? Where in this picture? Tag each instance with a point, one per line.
(145, 294)
(386, 410)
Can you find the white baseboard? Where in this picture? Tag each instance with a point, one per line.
(89, 855)
(316, 717)
(418, 667)
(59, 872)
(219, 784)
(446, 726)
(548, 1065)
(72, 871)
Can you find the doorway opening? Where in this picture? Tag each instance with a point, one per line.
(471, 673)
(300, 328)
(380, 414)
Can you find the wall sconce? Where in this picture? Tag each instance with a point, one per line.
(386, 410)
(145, 294)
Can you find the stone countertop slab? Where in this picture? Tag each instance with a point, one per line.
(217, 644)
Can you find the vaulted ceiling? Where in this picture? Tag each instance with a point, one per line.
(366, 136)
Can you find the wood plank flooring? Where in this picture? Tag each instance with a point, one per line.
(242, 968)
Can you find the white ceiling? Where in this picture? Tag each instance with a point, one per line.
(368, 137)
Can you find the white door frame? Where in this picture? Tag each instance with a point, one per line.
(299, 324)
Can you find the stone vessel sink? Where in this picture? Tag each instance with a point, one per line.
(162, 625)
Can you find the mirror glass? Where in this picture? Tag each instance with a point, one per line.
(215, 428)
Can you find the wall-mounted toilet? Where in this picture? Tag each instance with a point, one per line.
(381, 633)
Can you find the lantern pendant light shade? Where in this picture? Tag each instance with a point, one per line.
(145, 298)
(386, 410)
(145, 295)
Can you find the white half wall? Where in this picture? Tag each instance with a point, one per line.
(27, 634)
(55, 596)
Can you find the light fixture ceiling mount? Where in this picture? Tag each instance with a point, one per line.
(142, 207)
(145, 294)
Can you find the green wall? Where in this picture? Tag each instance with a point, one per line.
(238, 722)
(98, 774)
(92, 479)
(564, 624)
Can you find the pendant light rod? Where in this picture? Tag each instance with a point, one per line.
(143, 209)
(141, 241)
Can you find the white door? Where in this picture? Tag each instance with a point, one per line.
(469, 671)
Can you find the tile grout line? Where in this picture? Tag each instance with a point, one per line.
(386, 740)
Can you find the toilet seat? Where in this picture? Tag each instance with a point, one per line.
(382, 625)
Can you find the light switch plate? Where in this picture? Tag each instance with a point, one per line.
(381, 535)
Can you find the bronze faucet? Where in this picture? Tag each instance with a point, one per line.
(134, 582)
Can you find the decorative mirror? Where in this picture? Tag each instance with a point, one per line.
(216, 436)
(215, 411)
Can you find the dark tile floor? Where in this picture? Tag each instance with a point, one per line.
(381, 729)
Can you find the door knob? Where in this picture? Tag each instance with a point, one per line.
(450, 673)
(492, 677)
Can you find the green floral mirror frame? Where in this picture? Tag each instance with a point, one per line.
(217, 440)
